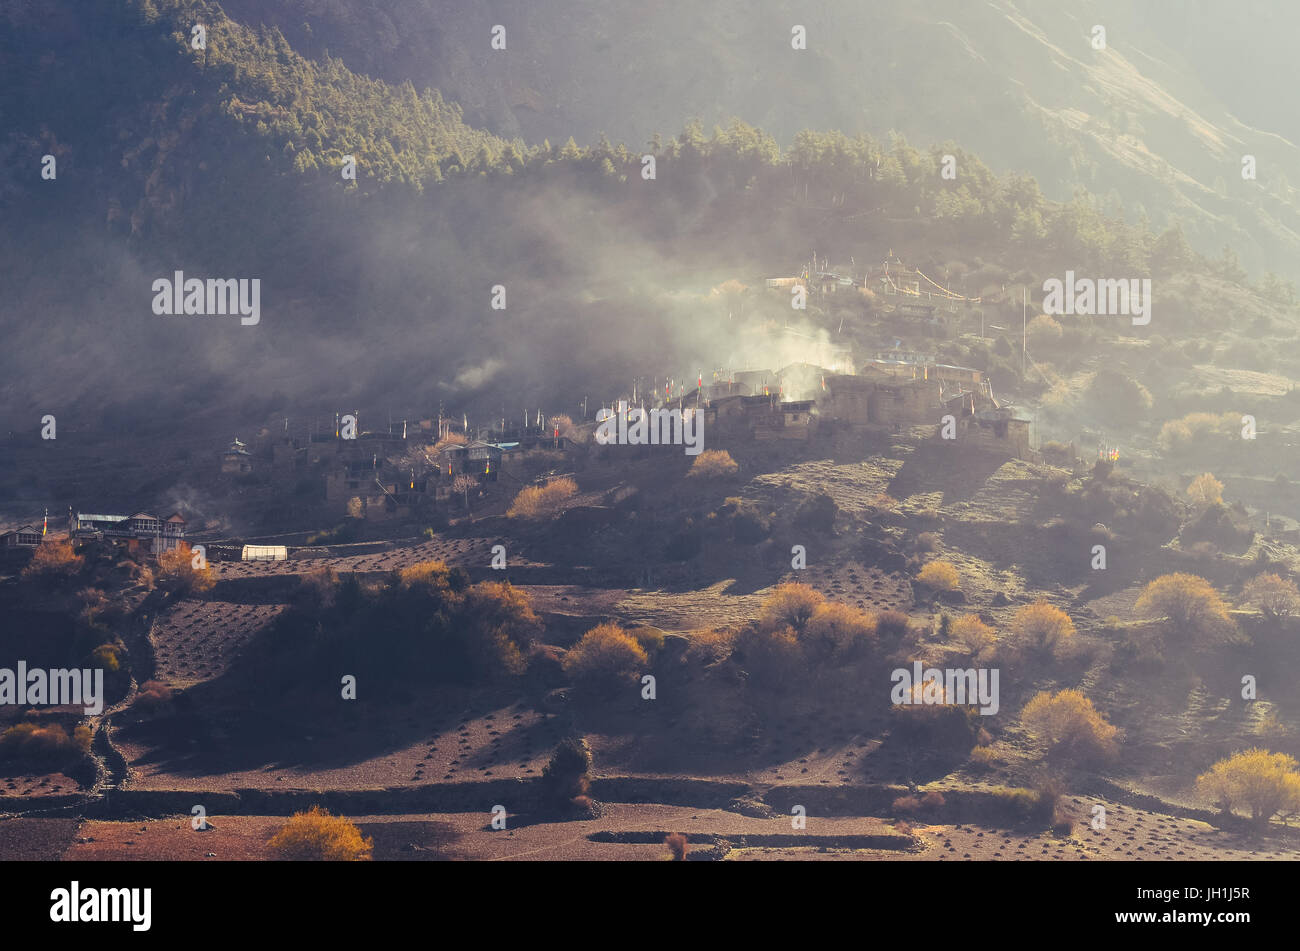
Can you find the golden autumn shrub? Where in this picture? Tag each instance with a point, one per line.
(1267, 784)
(1068, 724)
(52, 561)
(605, 657)
(713, 464)
(536, 503)
(789, 605)
(317, 836)
(1042, 625)
(177, 572)
(1189, 603)
(940, 575)
(971, 634)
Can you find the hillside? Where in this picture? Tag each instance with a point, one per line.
(227, 161)
(599, 431)
(1157, 122)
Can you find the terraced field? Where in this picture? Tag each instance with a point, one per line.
(636, 832)
(198, 640)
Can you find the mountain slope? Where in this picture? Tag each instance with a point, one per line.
(1159, 120)
(224, 164)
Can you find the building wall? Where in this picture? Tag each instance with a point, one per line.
(164, 543)
(1013, 439)
(762, 419)
(797, 425)
(340, 486)
(907, 403)
(285, 455)
(965, 375)
(234, 463)
(850, 399)
(375, 508)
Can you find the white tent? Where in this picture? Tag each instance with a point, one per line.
(265, 553)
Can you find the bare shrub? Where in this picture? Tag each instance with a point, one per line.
(316, 835)
(789, 605)
(1276, 597)
(605, 658)
(940, 575)
(927, 542)
(53, 560)
(565, 775)
(906, 805)
(1205, 490)
(1069, 725)
(154, 693)
(772, 657)
(43, 742)
(713, 464)
(1189, 603)
(677, 846)
(500, 626)
(838, 630)
(1265, 783)
(536, 503)
(1042, 625)
(1180, 435)
(892, 624)
(176, 572)
(971, 634)
(710, 646)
